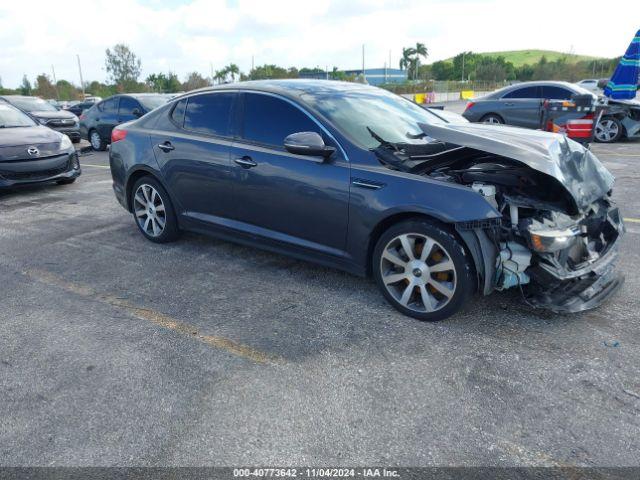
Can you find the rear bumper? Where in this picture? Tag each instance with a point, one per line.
(43, 170)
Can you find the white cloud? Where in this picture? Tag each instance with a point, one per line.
(188, 35)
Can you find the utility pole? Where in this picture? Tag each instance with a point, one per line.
(390, 59)
(385, 72)
(55, 82)
(211, 68)
(364, 77)
(326, 72)
(252, 63)
(81, 79)
(462, 79)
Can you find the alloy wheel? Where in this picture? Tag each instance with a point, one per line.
(492, 120)
(149, 210)
(418, 272)
(96, 142)
(606, 130)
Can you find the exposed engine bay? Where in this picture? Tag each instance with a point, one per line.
(556, 239)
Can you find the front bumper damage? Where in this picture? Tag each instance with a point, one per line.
(552, 286)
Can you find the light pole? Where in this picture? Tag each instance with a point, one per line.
(81, 80)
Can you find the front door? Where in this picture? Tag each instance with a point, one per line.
(291, 198)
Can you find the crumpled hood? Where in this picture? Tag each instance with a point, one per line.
(575, 167)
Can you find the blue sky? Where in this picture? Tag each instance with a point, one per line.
(192, 35)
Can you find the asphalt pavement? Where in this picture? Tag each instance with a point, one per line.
(118, 351)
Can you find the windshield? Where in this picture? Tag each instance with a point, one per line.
(153, 101)
(31, 104)
(389, 116)
(12, 117)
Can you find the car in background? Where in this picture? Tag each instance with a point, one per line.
(358, 178)
(591, 84)
(520, 104)
(46, 114)
(97, 123)
(77, 108)
(32, 153)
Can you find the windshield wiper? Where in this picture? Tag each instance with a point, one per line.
(383, 142)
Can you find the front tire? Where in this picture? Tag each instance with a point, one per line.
(608, 130)
(422, 270)
(96, 141)
(153, 211)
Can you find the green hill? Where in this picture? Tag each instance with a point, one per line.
(523, 57)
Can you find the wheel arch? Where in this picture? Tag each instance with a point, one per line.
(485, 115)
(387, 222)
(134, 176)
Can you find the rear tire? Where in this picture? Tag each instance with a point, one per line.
(96, 141)
(608, 130)
(492, 118)
(422, 270)
(153, 211)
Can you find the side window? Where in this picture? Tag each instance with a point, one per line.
(209, 113)
(268, 120)
(109, 106)
(526, 92)
(177, 115)
(556, 93)
(128, 105)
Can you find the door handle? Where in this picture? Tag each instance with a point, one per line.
(245, 162)
(508, 104)
(166, 147)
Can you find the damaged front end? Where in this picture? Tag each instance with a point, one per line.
(558, 237)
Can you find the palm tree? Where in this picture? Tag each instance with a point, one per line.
(405, 61)
(220, 75)
(233, 70)
(419, 51)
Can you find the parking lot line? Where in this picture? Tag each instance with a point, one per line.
(632, 220)
(603, 154)
(154, 317)
(95, 166)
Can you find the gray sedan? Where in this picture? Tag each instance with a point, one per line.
(519, 104)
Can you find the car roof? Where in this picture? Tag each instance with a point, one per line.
(287, 87)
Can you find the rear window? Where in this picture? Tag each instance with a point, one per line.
(209, 113)
(109, 106)
(178, 112)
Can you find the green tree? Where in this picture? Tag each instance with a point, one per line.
(161, 83)
(68, 91)
(44, 88)
(25, 86)
(194, 80)
(442, 70)
(233, 70)
(410, 59)
(123, 66)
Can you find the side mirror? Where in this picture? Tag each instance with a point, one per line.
(308, 143)
(136, 112)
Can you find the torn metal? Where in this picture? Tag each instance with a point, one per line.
(559, 233)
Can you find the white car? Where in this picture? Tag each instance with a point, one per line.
(590, 84)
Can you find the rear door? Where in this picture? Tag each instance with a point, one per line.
(192, 149)
(522, 106)
(107, 117)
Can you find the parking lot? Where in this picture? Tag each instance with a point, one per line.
(118, 351)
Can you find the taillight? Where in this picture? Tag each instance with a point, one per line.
(118, 134)
(469, 105)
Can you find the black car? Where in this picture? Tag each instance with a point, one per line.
(78, 108)
(355, 177)
(46, 114)
(97, 122)
(32, 153)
